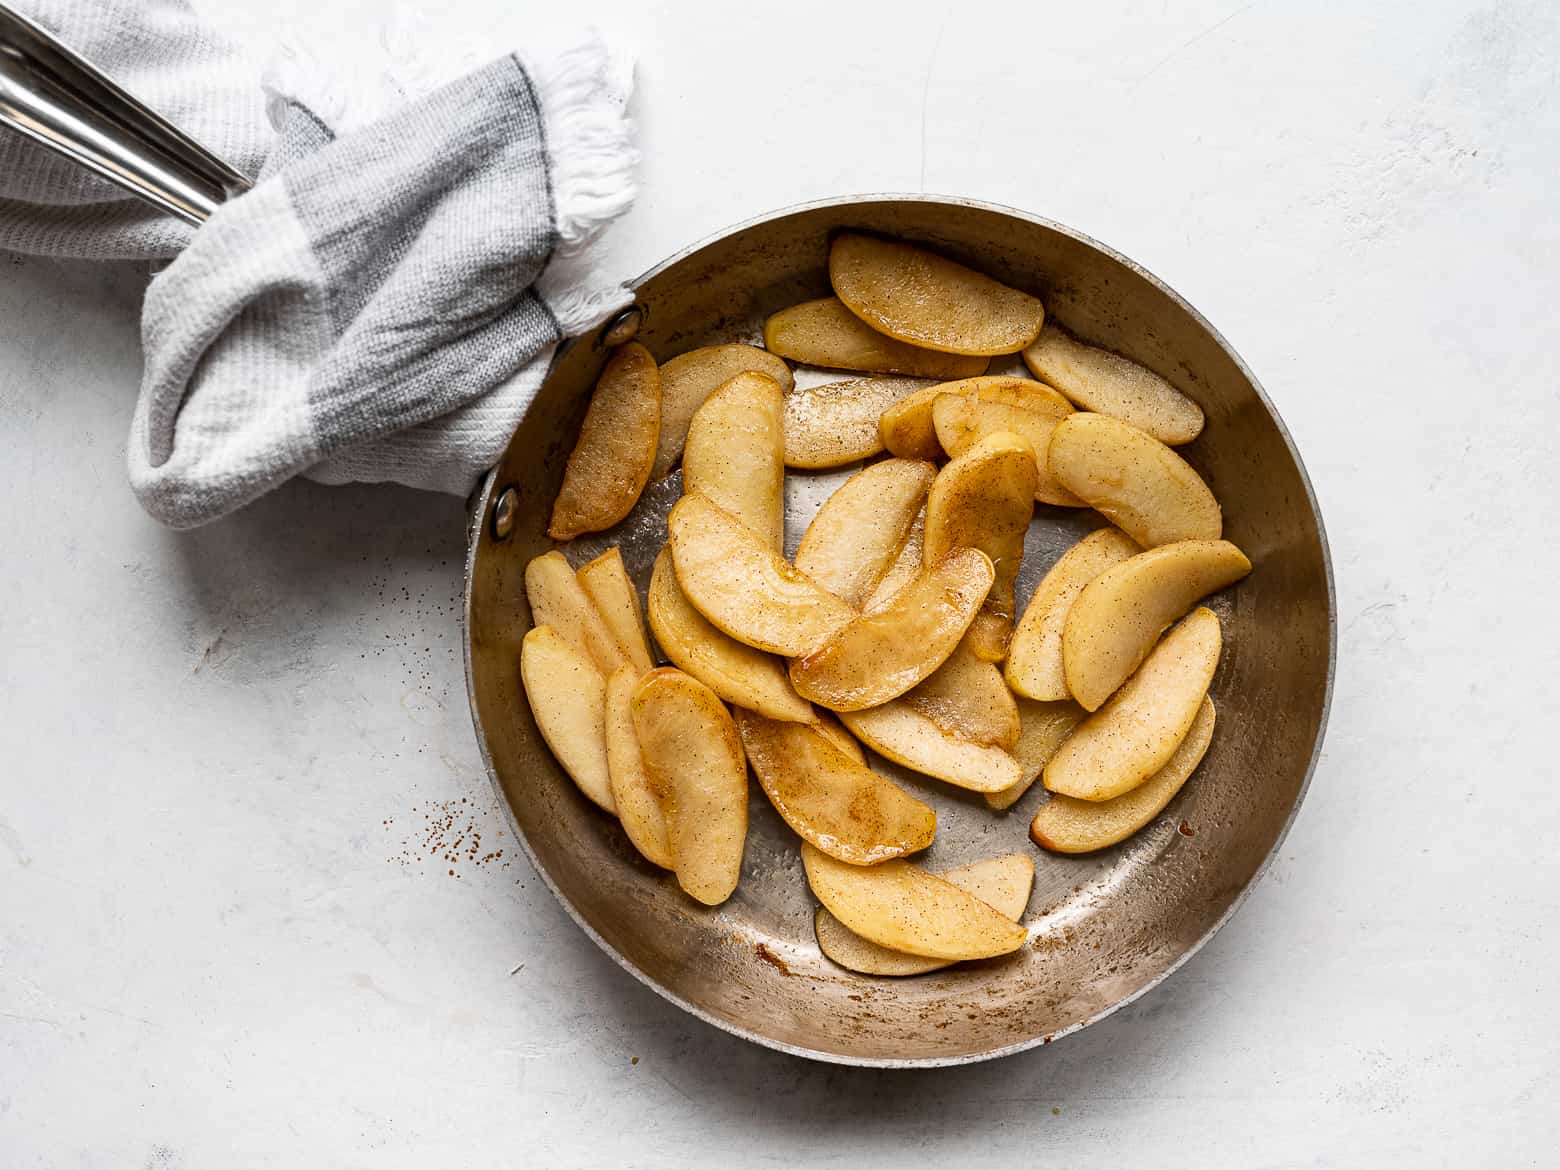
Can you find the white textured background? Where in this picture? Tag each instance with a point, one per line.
(228, 938)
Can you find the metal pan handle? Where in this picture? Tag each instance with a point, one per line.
(58, 99)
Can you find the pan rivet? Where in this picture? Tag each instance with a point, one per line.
(623, 327)
(504, 513)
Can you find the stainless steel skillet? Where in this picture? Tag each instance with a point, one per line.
(1105, 928)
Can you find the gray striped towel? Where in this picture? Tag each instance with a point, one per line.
(384, 303)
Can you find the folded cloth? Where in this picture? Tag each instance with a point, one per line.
(385, 301)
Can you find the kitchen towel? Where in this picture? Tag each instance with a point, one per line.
(384, 303)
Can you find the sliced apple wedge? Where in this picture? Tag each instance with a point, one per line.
(1137, 731)
(557, 600)
(900, 906)
(1003, 883)
(831, 800)
(905, 569)
(881, 655)
(967, 696)
(861, 528)
(1043, 727)
(1034, 664)
(1020, 392)
(693, 756)
(928, 300)
(689, 378)
(984, 499)
(908, 427)
(1120, 614)
(962, 420)
(606, 583)
(638, 803)
(836, 423)
(568, 700)
(746, 588)
(825, 333)
(1138, 483)
(1067, 825)
(735, 454)
(898, 732)
(1108, 383)
(611, 461)
(828, 723)
(734, 670)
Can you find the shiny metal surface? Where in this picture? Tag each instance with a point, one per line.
(63, 102)
(624, 327)
(1104, 928)
(506, 511)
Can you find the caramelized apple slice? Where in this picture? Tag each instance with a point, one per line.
(611, 460)
(984, 499)
(736, 454)
(1134, 734)
(744, 587)
(881, 655)
(1120, 614)
(902, 907)
(1002, 883)
(826, 333)
(861, 528)
(568, 700)
(830, 799)
(693, 757)
(732, 669)
(1066, 825)
(928, 300)
(1138, 483)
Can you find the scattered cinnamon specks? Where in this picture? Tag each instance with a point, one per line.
(448, 833)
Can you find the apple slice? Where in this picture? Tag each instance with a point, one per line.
(902, 907)
(966, 696)
(1108, 383)
(962, 420)
(693, 756)
(881, 655)
(689, 378)
(568, 700)
(828, 723)
(1043, 727)
(906, 428)
(611, 460)
(557, 600)
(838, 804)
(1034, 664)
(984, 499)
(733, 670)
(1137, 731)
(736, 454)
(638, 803)
(1139, 484)
(928, 300)
(836, 423)
(1067, 825)
(825, 333)
(746, 588)
(861, 528)
(898, 732)
(1003, 883)
(1120, 614)
(909, 429)
(605, 581)
(905, 569)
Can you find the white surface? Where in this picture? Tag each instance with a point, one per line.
(214, 951)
